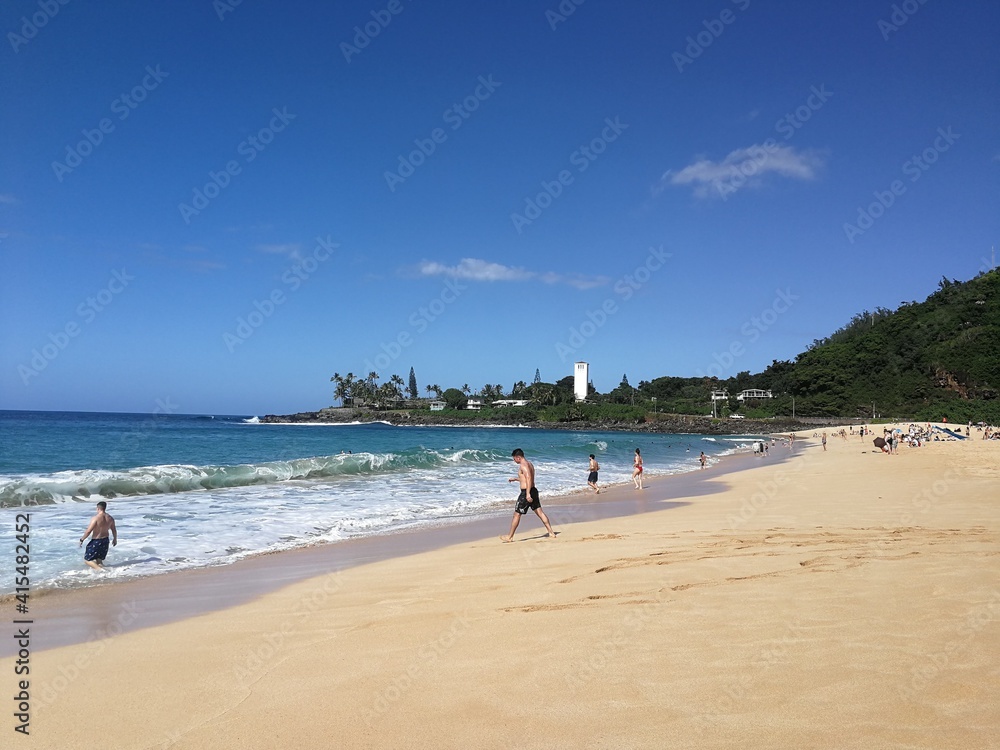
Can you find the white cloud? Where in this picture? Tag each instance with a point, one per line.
(289, 249)
(743, 167)
(8, 198)
(476, 269)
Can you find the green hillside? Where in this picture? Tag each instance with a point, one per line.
(925, 360)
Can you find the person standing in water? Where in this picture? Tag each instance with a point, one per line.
(97, 548)
(592, 477)
(637, 470)
(528, 497)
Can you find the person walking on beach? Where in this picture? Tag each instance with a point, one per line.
(592, 477)
(637, 470)
(97, 547)
(824, 441)
(528, 497)
(703, 459)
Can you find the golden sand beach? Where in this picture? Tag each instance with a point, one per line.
(837, 599)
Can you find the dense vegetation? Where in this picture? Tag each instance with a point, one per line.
(925, 361)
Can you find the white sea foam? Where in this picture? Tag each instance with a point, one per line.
(173, 516)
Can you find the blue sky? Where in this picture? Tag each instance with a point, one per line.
(212, 207)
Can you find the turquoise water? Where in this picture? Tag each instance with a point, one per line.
(195, 490)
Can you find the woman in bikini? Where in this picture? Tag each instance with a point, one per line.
(637, 470)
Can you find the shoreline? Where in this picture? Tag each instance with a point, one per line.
(79, 614)
(690, 424)
(840, 598)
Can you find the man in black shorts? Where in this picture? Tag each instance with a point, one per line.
(528, 497)
(592, 476)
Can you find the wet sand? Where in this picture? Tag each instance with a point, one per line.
(79, 615)
(839, 599)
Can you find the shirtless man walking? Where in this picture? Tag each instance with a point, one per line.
(592, 476)
(97, 547)
(528, 497)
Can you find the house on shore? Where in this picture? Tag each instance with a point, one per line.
(752, 393)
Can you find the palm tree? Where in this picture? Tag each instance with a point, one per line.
(338, 389)
(395, 388)
(344, 388)
(466, 390)
(544, 394)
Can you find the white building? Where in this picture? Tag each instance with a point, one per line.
(510, 402)
(753, 393)
(474, 404)
(581, 377)
(438, 405)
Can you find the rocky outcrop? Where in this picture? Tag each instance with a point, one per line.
(666, 423)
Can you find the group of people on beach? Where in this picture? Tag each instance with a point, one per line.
(528, 499)
(594, 467)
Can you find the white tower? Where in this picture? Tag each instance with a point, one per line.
(581, 377)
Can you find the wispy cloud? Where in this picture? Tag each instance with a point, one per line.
(288, 249)
(744, 167)
(8, 198)
(476, 269)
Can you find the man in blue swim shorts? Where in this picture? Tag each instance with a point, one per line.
(97, 548)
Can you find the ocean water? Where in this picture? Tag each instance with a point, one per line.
(197, 490)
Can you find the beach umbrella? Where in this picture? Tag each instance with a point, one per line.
(879, 443)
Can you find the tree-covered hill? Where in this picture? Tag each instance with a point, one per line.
(927, 360)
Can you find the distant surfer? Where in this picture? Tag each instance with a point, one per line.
(97, 548)
(528, 497)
